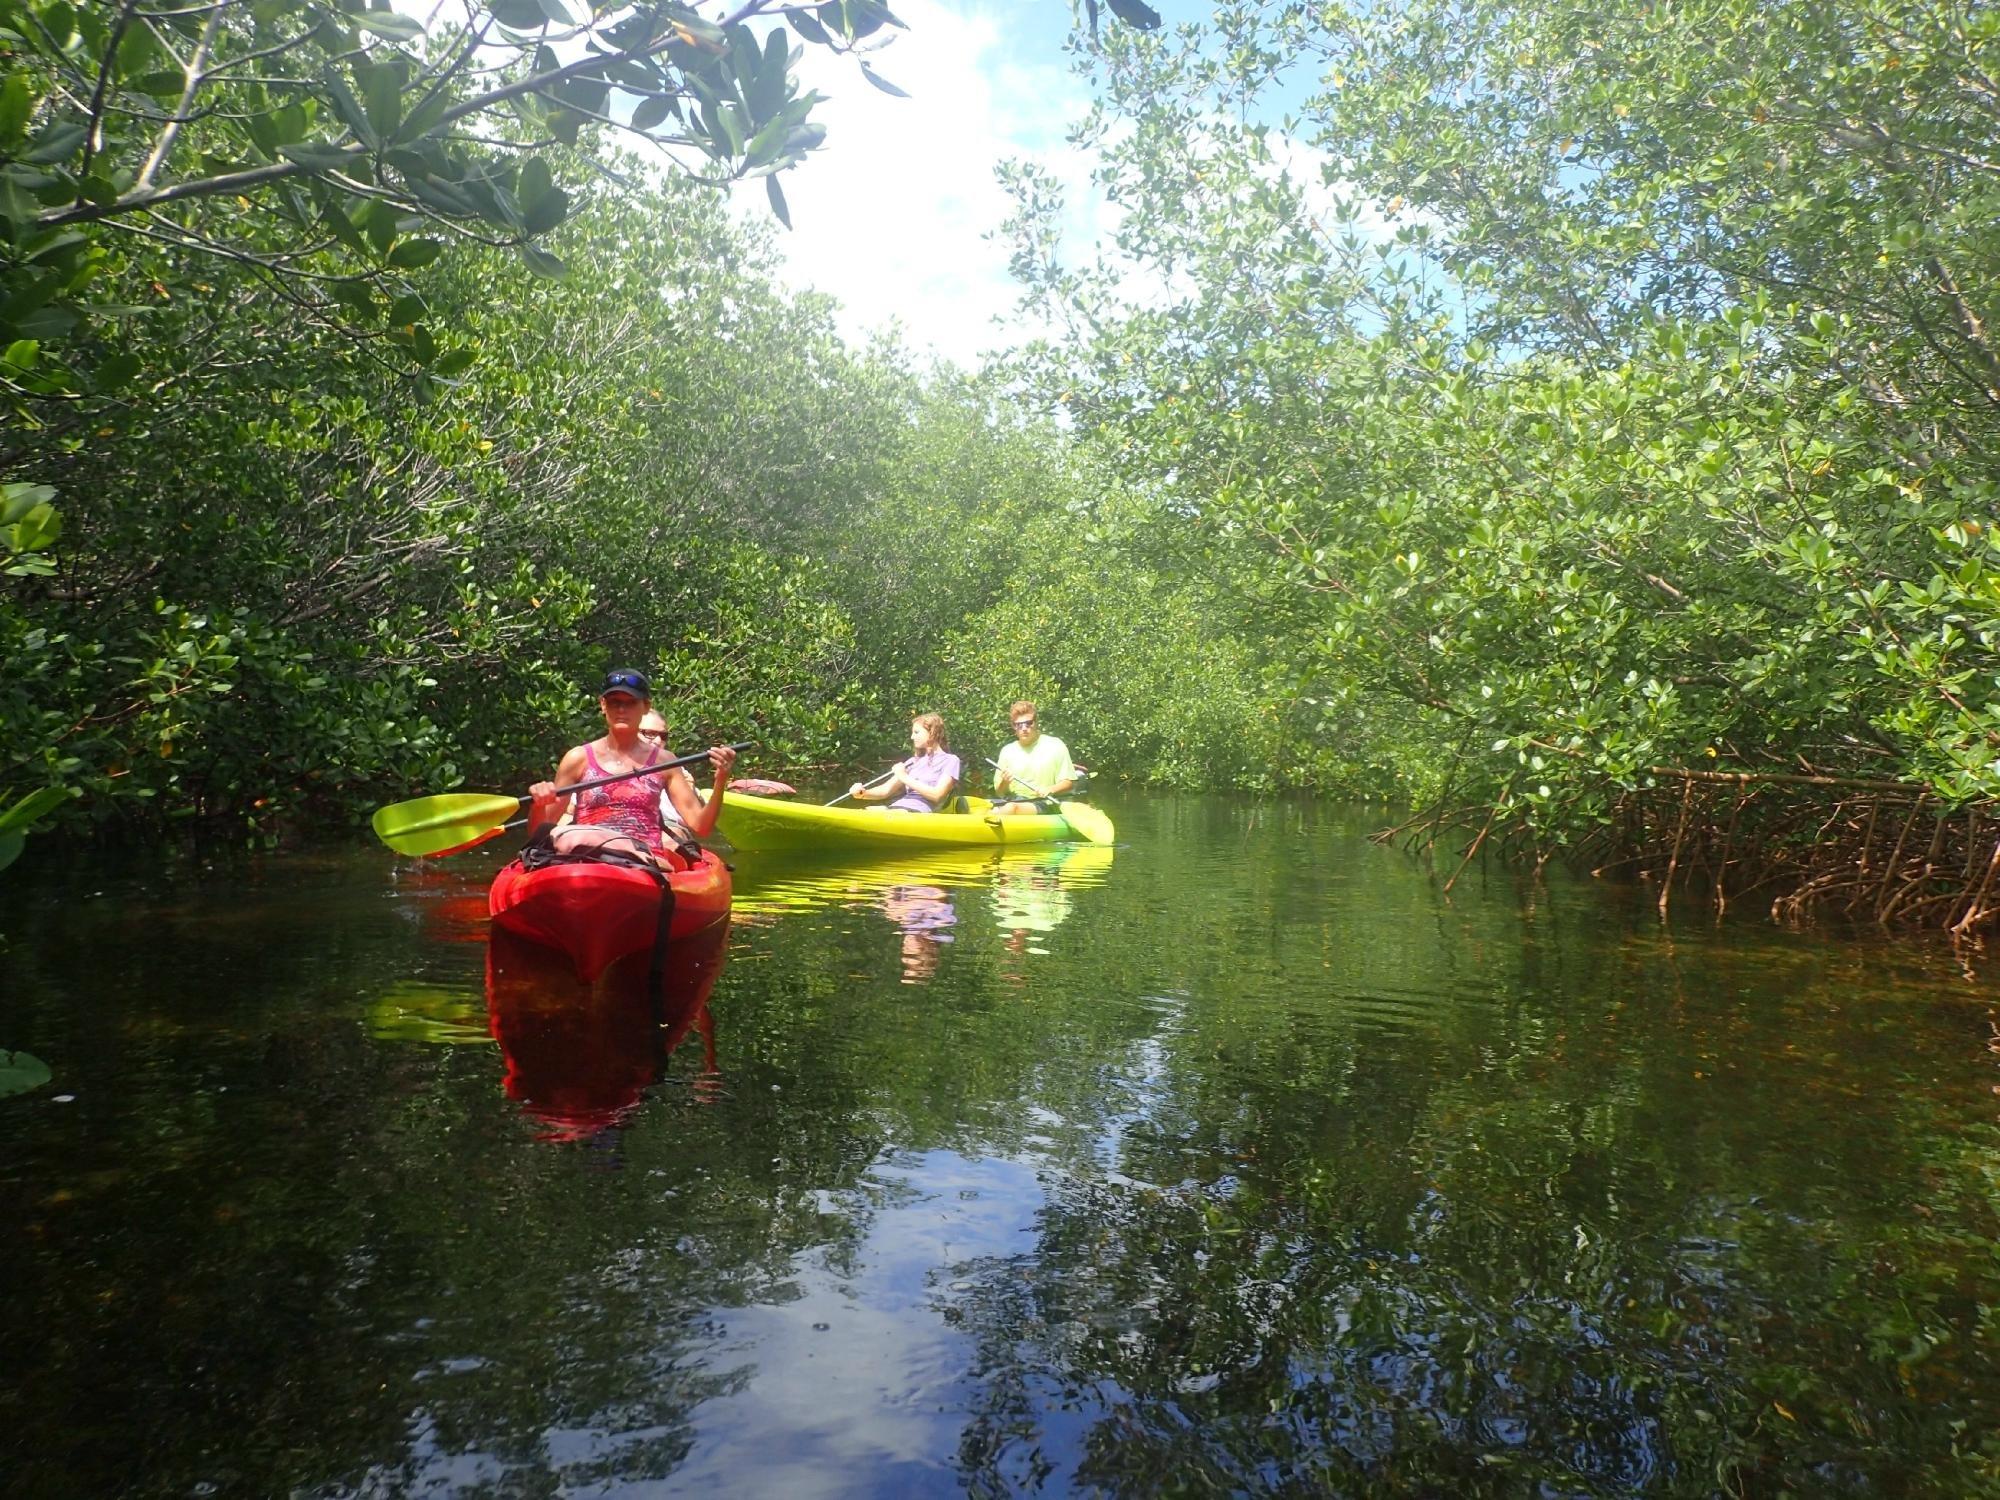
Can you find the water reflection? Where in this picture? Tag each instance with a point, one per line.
(581, 1056)
(1292, 1179)
(1028, 894)
(769, 885)
(446, 899)
(415, 1010)
(925, 916)
(1030, 899)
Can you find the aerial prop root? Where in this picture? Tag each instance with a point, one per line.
(1816, 847)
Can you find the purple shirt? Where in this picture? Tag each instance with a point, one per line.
(930, 769)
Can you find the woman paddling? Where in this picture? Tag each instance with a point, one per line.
(925, 781)
(626, 814)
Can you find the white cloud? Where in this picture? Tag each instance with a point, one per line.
(892, 215)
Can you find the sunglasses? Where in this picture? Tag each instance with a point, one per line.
(1024, 723)
(652, 734)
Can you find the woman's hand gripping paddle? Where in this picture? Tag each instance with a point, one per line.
(1085, 821)
(452, 821)
(866, 787)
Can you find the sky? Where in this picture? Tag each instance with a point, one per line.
(894, 215)
(897, 215)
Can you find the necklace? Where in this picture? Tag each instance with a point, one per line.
(624, 760)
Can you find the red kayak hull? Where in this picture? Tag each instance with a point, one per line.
(599, 913)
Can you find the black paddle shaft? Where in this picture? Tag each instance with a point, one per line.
(664, 765)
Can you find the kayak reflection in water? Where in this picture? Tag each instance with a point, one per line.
(626, 814)
(1030, 900)
(924, 782)
(581, 1056)
(925, 914)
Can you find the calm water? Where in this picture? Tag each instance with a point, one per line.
(1234, 1159)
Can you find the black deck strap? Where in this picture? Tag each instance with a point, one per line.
(656, 977)
(540, 853)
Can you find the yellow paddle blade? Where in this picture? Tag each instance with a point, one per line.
(432, 825)
(1087, 823)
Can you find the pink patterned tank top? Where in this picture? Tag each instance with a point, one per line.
(630, 807)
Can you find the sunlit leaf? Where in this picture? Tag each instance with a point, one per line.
(392, 25)
(542, 263)
(1134, 13)
(410, 255)
(19, 1071)
(881, 83)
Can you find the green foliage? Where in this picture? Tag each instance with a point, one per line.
(18, 820)
(336, 152)
(333, 152)
(21, 1072)
(338, 595)
(444, 444)
(348, 126)
(1140, 677)
(29, 526)
(767, 654)
(1612, 393)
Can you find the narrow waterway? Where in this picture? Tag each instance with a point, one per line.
(1235, 1158)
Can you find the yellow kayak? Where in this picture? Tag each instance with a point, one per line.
(767, 823)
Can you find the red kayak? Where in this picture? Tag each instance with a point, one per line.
(597, 913)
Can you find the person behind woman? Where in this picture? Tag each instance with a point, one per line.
(677, 784)
(925, 781)
(626, 814)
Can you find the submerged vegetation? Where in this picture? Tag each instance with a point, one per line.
(1579, 426)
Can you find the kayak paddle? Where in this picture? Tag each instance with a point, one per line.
(1086, 820)
(473, 843)
(875, 783)
(452, 821)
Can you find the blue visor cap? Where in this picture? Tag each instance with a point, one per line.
(626, 680)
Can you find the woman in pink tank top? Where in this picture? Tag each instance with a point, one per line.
(626, 814)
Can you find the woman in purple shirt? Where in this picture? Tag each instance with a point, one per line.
(924, 782)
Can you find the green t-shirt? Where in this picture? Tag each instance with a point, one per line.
(1041, 766)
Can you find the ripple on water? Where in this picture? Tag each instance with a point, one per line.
(1239, 1158)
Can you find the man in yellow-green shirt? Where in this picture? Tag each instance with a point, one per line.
(1033, 771)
